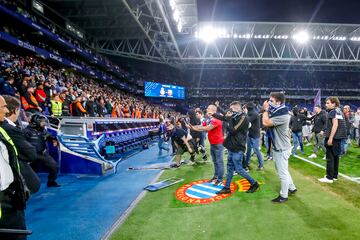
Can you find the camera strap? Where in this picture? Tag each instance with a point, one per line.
(239, 123)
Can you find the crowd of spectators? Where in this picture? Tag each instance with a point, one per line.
(42, 87)
(83, 44)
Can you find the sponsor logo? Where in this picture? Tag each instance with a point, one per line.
(26, 45)
(57, 58)
(201, 192)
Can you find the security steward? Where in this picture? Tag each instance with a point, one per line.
(13, 191)
(37, 135)
(26, 151)
(56, 106)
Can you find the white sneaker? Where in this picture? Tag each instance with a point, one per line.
(308, 144)
(324, 158)
(325, 180)
(313, 155)
(335, 179)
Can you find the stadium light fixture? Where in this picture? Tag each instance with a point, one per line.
(179, 26)
(176, 15)
(172, 4)
(301, 37)
(208, 34)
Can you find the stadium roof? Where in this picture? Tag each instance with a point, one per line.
(168, 31)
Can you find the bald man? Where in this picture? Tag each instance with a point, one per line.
(216, 139)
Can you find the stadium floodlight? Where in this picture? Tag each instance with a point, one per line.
(339, 38)
(176, 15)
(355, 39)
(248, 35)
(208, 34)
(301, 37)
(179, 26)
(172, 4)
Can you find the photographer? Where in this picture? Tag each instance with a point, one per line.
(237, 125)
(37, 135)
(253, 140)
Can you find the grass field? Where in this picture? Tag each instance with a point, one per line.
(317, 211)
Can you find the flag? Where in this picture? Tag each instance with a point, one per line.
(317, 99)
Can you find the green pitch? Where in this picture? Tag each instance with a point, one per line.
(317, 211)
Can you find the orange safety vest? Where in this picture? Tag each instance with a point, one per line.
(126, 113)
(26, 105)
(138, 113)
(114, 113)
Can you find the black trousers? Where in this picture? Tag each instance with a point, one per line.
(11, 218)
(50, 164)
(332, 158)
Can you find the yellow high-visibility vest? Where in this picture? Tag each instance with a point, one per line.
(56, 108)
(9, 140)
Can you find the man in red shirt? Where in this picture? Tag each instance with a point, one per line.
(216, 139)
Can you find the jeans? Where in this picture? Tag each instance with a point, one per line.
(268, 146)
(281, 158)
(297, 138)
(202, 139)
(319, 143)
(217, 155)
(162, 144)
(344, 146)
(254, 143)
(235, 163)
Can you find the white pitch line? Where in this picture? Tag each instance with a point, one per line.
(353, 179)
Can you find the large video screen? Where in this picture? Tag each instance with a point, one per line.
(164, 90)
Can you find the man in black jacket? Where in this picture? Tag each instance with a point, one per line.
(66, 99)
(26, 151)
(319, 120)
(235, 141)
(253, 139)
(37, 135)
(296, 123)
(91, 107)
(13, 193)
